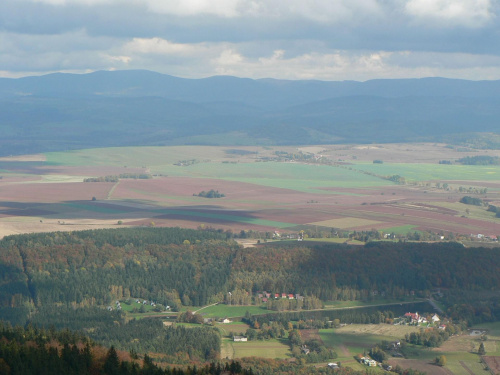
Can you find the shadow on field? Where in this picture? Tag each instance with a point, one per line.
(122, 210)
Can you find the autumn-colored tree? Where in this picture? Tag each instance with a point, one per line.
(441, 360)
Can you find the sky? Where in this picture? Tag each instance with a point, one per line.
(284, 39)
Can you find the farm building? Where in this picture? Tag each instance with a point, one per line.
(239, 338)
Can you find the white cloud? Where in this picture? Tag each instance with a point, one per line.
(359, 65)
(317, 10)
(221, 8)
(468, 13)
(162, 47)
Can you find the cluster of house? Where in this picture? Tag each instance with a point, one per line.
(151, 303)
(118, 306)
(265, 296)
(367, 361)
(415, 318)
(139, 301)
(213, 320)
(240, 338)
(480, 236)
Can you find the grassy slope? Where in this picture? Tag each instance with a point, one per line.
(266, 349)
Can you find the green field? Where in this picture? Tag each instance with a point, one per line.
(374, 302)
(471, 211)
(434, 172)
(232, 328)
(160, 160)
(133, 157)
(257, 348)
(225, 311)
(359, 337)
(356, 339)
(295, 176)
(492, 328)
(492, 345)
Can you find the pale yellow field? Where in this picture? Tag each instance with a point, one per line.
(36, 157)
(20, 225)
(396, 331)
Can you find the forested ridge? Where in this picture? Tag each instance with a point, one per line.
(187, 267)
(110, 109)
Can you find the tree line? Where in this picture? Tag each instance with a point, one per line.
(116, 178)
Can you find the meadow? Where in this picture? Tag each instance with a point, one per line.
(266, 349)
(227, 311)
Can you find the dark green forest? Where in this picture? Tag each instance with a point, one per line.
(178, 267)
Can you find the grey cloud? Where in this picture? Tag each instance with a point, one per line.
(242, 39)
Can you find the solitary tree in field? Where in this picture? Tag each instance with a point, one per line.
(481, 350)
(441, 360)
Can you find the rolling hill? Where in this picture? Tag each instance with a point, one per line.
(121, 108)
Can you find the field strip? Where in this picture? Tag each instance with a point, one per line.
(462, 363)
(110, 193)
(344, 223)
(59, 178)
(227, 217)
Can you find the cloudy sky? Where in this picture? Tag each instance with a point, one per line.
(288, 39)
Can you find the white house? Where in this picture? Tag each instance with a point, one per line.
(240, 338)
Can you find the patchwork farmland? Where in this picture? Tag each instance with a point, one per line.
(345, 190)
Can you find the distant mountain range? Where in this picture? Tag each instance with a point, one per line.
(122, 108)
